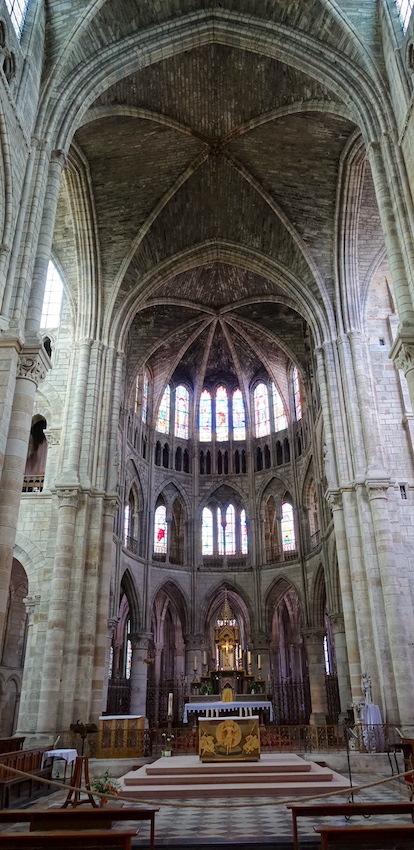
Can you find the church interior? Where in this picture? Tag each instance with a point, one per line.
(206, 362)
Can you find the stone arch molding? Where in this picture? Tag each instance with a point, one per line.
(33, 561)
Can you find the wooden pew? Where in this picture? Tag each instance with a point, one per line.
(29, 761)
(81, 819)
(69, 840)
(337, 810)
(366, 836)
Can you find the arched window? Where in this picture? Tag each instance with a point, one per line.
(313, 511)
(144, 409)
(230, 531)
(222, 414)
(243, 532)
(261, 410)
(296, 395)
(220, 537)
(207, 539)
(17, 11)
(239, 418)
(128, 651)
(205, 417)
(160, 530)
(288, 528)
(405, 8)
(52, 300)
(182, 407)
(278, 410)
(163, 419)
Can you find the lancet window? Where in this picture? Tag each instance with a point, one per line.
(205, 425)
(297, 403)
(17, 11)
(222, 414)
(288, 528)
(160, 530)
(182, 410)
(261, 410)
(278, 410)
(145, 389)
(52, 299)
(239, 417)
(163, 418)
(405, 8)
(224, 531)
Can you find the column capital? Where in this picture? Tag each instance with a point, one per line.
(67, 497)
(377, 487)
(31, 603)
(337, 622)
(53, 436)
(313, 634)
(33, 363)
(402, 350)
(334, 497)
(112, 624)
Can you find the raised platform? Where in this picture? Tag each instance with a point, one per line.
(274, 775)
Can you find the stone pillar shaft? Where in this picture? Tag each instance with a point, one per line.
(342, 666)
(316, 669)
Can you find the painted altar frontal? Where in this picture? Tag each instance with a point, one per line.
(229, 739)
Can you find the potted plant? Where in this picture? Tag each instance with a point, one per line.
(105, 785)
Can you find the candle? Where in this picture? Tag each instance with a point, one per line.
(205, 658)
(249, 657)
(170, 705)
(195, 664)
(259, 661)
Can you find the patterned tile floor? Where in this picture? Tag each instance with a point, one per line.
(200, 823)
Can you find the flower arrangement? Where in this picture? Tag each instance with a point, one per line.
(105, 785)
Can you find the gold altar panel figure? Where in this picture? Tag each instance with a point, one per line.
(229, 739)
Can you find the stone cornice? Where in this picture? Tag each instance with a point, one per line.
(402, 350)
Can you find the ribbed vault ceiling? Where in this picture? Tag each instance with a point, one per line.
(215, 146)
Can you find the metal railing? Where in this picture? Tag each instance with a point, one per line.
(33, 483)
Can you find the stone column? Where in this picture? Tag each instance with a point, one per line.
(139, 673)
(316, 668)
(32, 366)
(58, 611)
(26, 722)
(99, 616)
(112, 624)
(397, 601)
(342, 666)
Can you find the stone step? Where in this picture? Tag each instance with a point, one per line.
(217, 778)
(226, 790)
(228, 769)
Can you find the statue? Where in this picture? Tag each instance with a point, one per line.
(366, 688)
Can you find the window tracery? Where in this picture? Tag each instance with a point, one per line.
(297, 402)
(17, 11)
(278, 410)
(205, 426)
(145, 388)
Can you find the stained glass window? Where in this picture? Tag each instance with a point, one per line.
(230, 531)
(405, 8)
(288, 528)
(182, 407)
(128, 654)
(145, 384)
(111, 662)
(163, 420)
(243, 532)
(17, 11)
(278, 410)
(222, 414)
(127, 516)
(160, 530)
(296, 395)
(205, 416)
(220, 537)
(207, 545)
(261, 410)
(239, 418)
(52, 299)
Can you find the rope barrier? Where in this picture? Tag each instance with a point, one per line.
(355, 789)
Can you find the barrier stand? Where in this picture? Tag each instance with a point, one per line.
(81, 771)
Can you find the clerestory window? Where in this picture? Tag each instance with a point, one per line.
(52, 299)
(405, 8)
(17, 11)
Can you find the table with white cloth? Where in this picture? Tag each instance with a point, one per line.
(67, 755)
(372, 729)
(227, 707)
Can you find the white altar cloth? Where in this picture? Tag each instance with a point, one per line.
(228, 707)
(67, 755)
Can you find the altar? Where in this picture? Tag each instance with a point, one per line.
(230, 739)
(217, 707)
